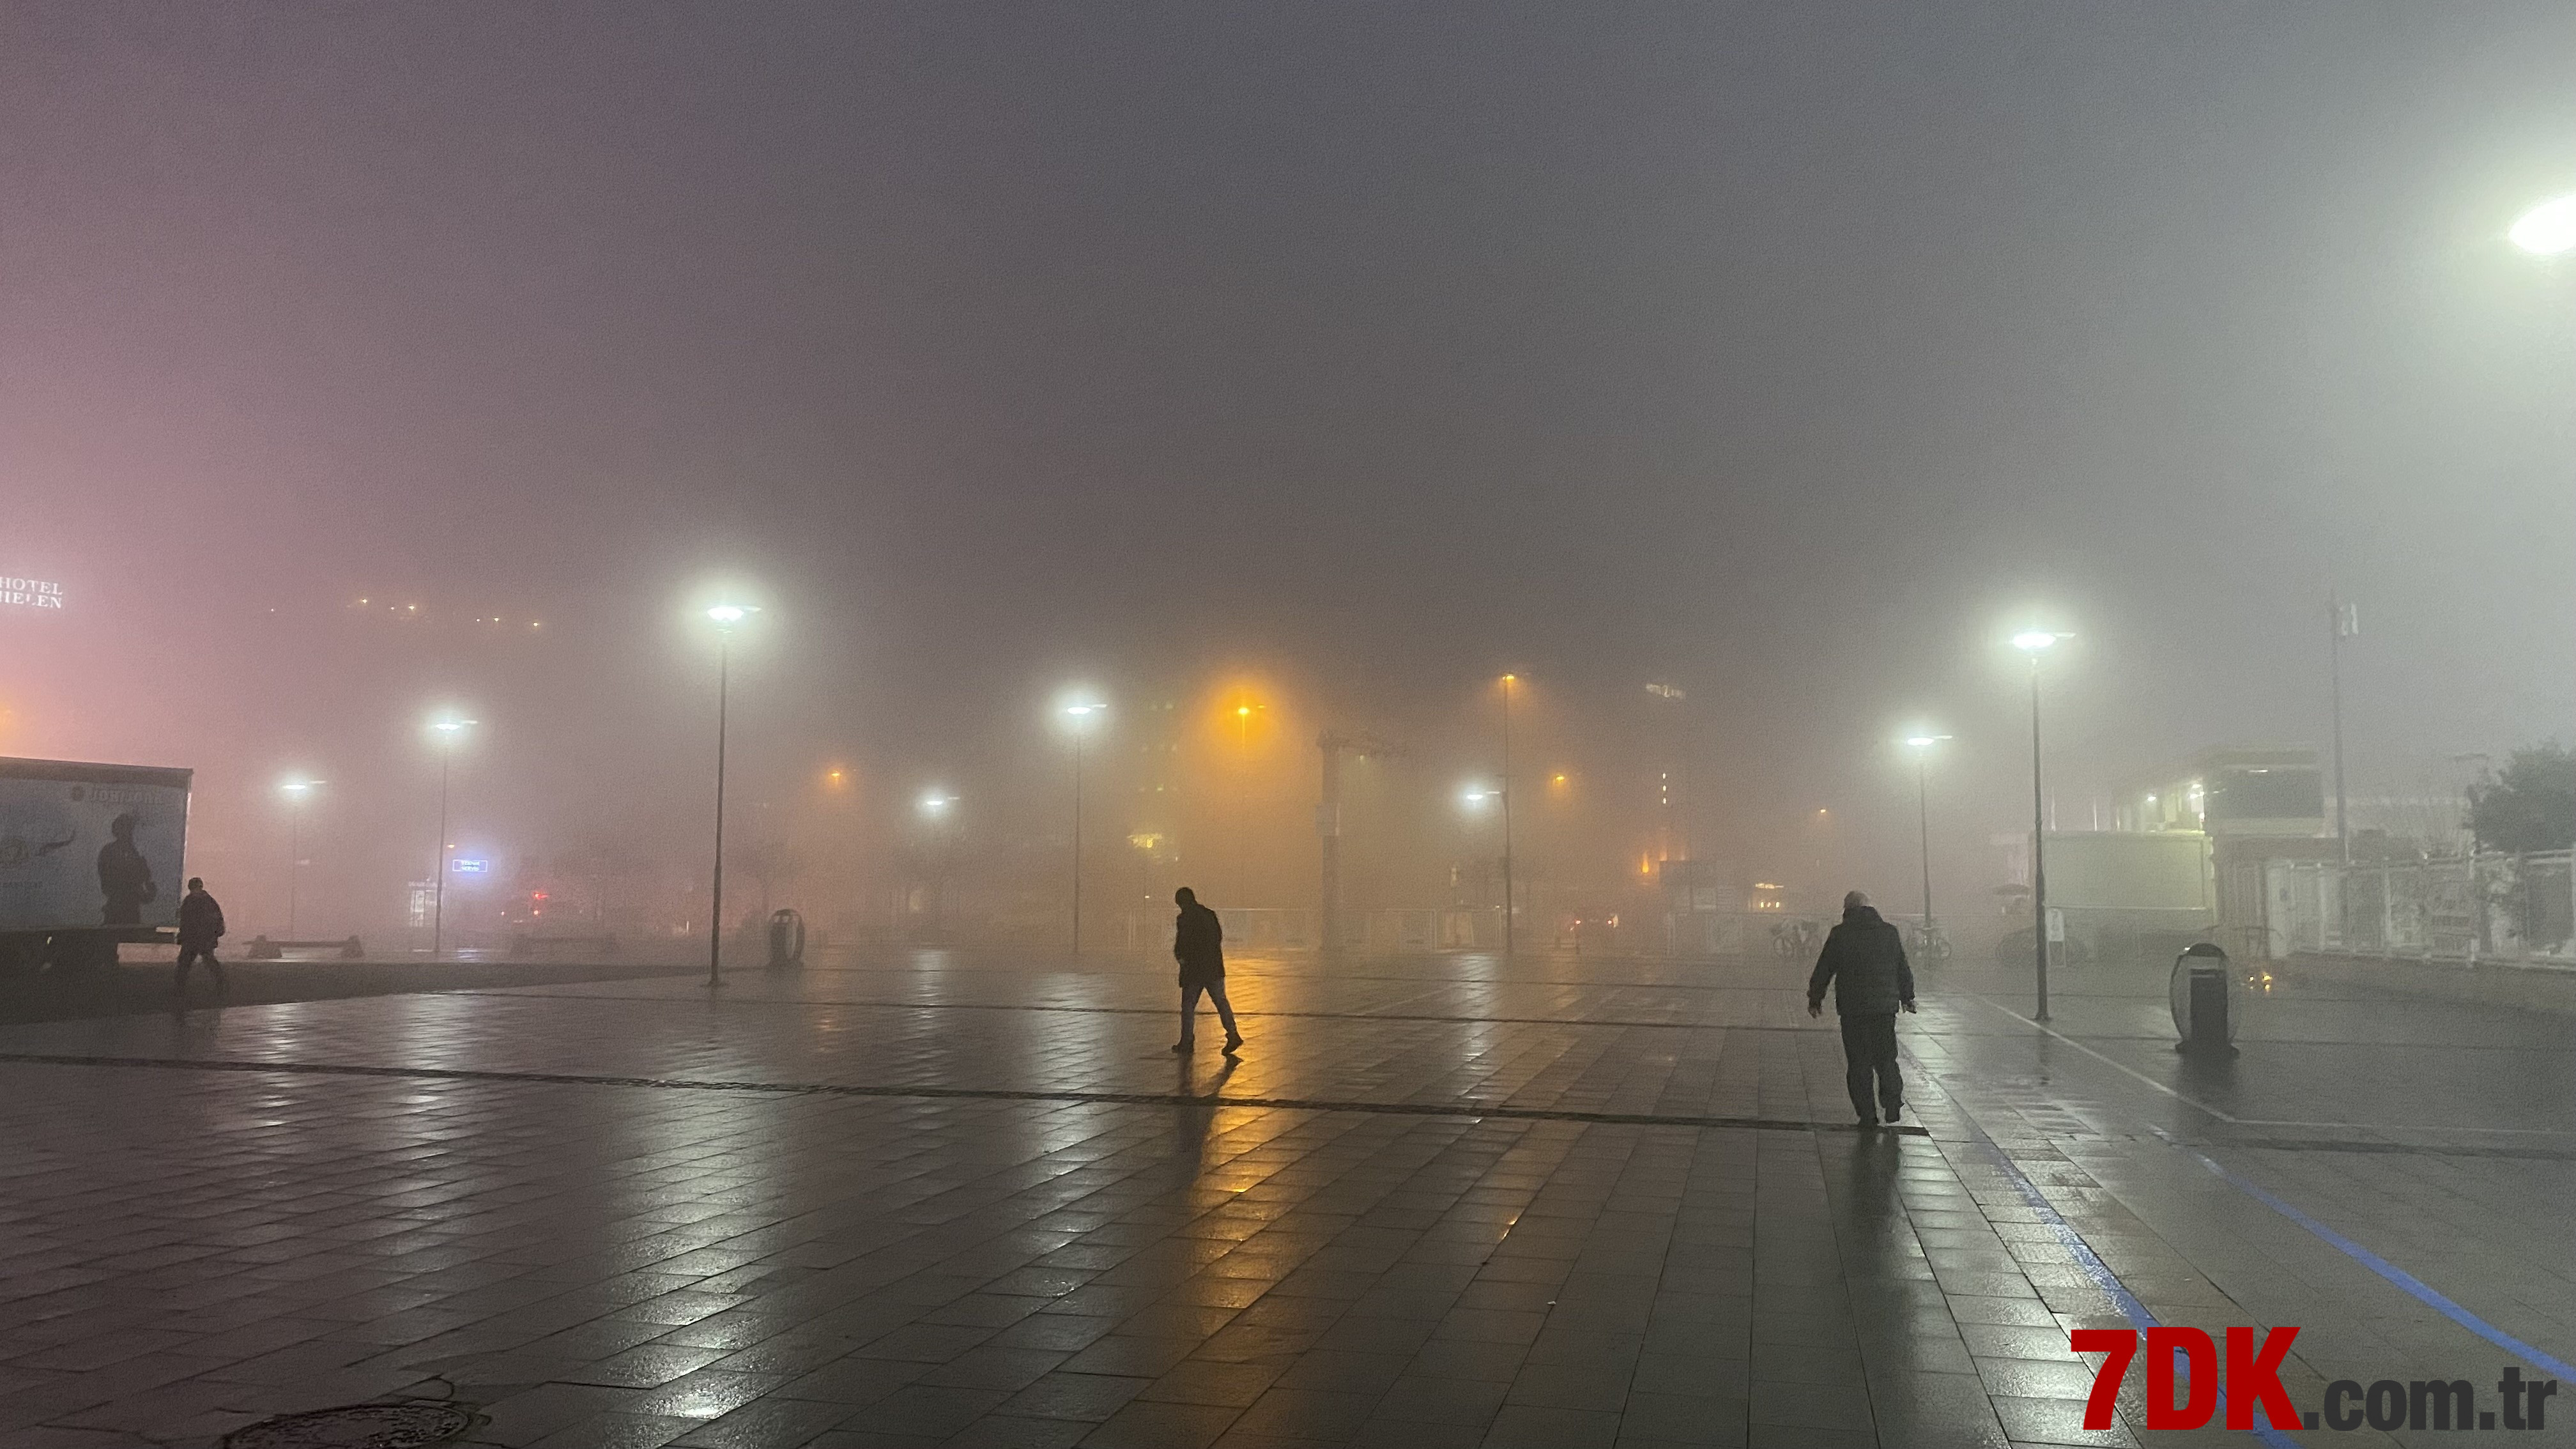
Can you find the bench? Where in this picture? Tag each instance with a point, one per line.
(526, 946)
(260, 948)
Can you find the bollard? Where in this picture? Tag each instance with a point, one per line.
(786, 939)
(2207, 999)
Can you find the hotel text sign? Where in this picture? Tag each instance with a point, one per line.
(30, 593)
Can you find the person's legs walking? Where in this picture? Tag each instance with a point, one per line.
(1189, 1018)
(1857, 1067)
(1225, 1014)
(1891, 1084)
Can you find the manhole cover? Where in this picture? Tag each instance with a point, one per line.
(358, 1426)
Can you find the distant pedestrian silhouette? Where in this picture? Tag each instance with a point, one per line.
(1864, 961)
(201, 925)
(124, 876)
(1198, 943)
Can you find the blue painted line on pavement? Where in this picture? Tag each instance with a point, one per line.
(2422, 1291)
(2094, 1268)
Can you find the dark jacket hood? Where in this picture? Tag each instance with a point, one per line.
(1863, 916)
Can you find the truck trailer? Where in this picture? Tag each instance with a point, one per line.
(2124, 894)
(90, 856)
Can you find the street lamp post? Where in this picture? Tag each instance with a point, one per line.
(449, 729)
(1923, 813)
(935, 809)
(1243, 803)
(725, 617)
(2547, 230)
(2035, 642)
(297, 791)
(1080, 713)
(1511, 906)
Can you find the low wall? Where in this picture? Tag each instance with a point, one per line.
(2524, 986)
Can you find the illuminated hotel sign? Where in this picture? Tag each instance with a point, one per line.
(30, 593)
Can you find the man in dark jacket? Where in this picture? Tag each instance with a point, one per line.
(1198, 943)
(1864, 961)
(201, 925)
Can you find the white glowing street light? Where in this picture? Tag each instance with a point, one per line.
(297, 789)
(447, 729)
(2547, 230)
(1078, 713)
(935, 806)
(2035, 642)
(725, 617)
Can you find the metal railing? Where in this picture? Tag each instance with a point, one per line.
(2468, 908)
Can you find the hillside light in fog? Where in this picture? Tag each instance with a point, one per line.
(725, 617)
(2035, 642)
(447, 729)
(1078, 713)
(1922, 745)
(297, 790)
(2547, 230)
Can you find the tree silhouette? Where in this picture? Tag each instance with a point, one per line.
(2530, 804)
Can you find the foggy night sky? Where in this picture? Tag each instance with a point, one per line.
(1793, 353)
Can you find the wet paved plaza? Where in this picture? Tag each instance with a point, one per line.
(972, 1199)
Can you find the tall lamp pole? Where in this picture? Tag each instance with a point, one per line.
(725, 617)
(1080, 713)
(2342, 622)
(1243, 801)
(449, 728)
(1923, 812)
(2035, 642)
(2547, 230)
(1511, 904)
(297, 791)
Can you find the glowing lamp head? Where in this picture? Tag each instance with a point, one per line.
(2547, 230)
(296, 787)
(728, 615)
(2032, 641)
(451, 727)
(935, 805)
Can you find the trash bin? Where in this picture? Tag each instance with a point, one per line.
(2208, 1000)
(786, 938)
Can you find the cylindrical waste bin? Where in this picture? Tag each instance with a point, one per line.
(786, 938)
(2208, 1000)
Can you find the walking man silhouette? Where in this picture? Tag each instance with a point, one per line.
(1864, 960)
(1198, 943)
(201, 925)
